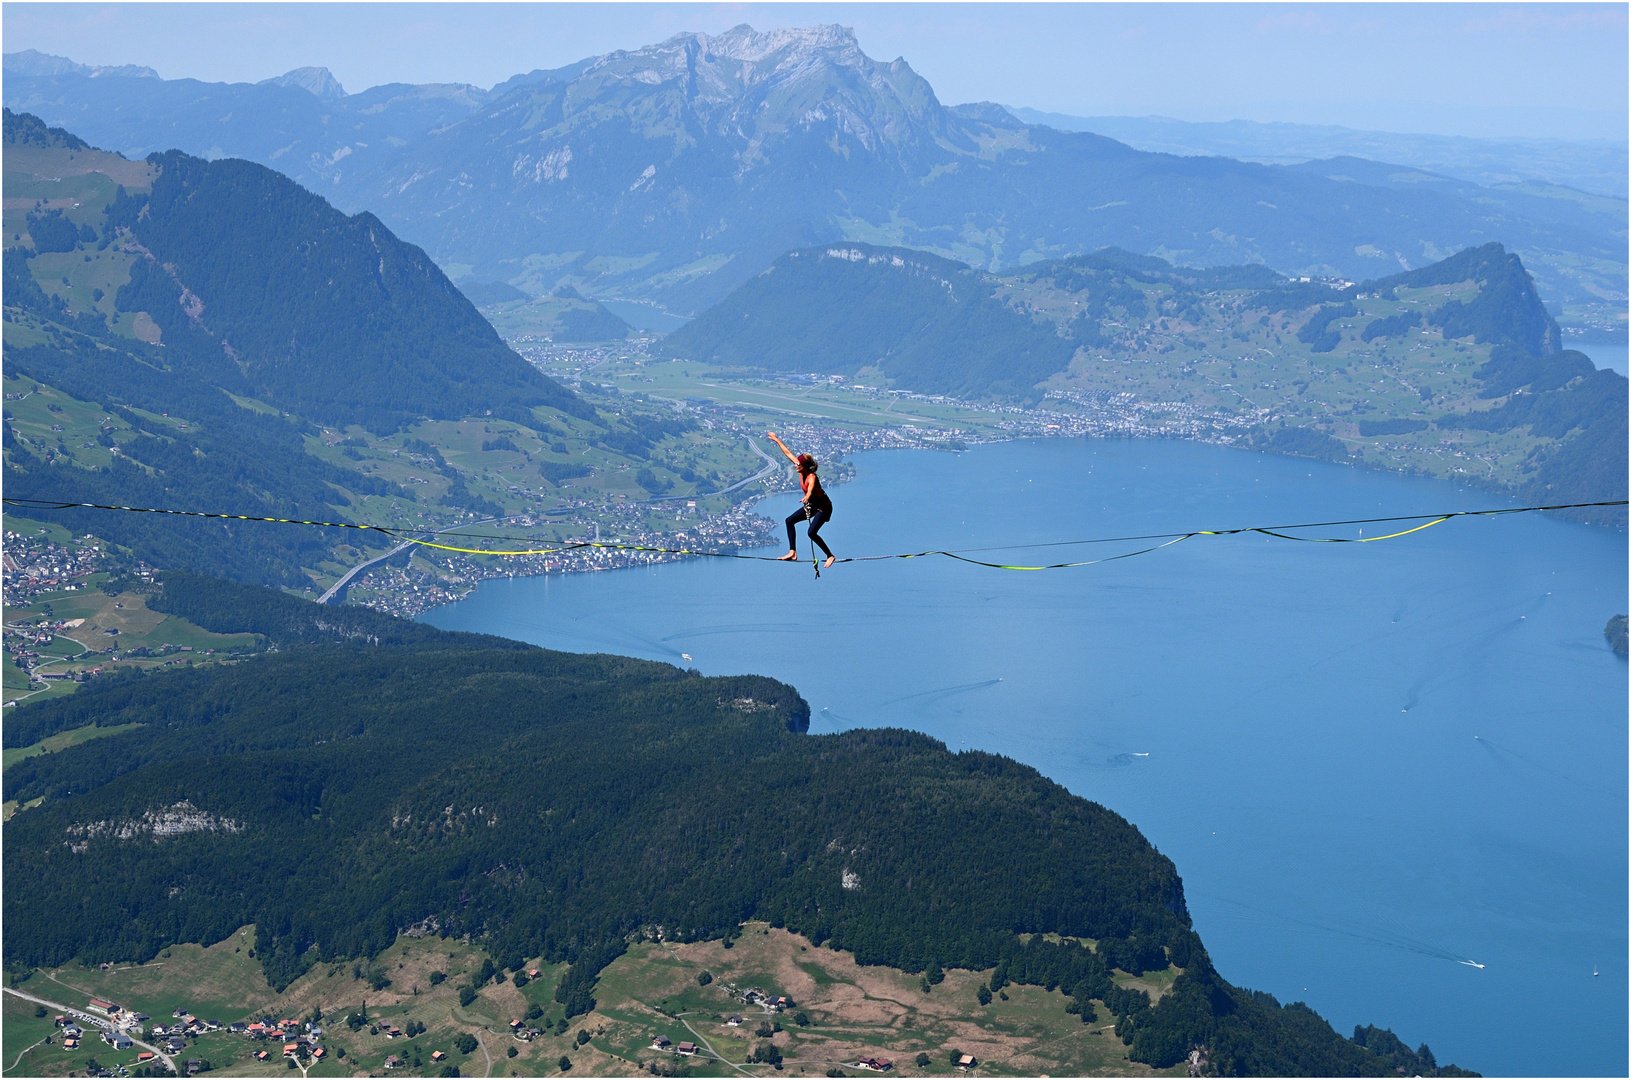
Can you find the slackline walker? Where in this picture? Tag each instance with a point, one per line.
(1158, 540)
(814, 506)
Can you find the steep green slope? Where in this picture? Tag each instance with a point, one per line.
(339, 792)
(928, 323)
(272, 290)
(222, 340)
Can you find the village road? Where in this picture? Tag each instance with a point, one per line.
(95, 1021)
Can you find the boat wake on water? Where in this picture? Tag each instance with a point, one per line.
(1391, 936)
(1504, 754)
(942, 692)
(737, 628)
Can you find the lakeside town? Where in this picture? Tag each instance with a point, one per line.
(610, 535)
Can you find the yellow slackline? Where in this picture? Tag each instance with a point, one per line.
(960, 554)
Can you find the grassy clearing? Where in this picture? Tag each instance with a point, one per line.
(853, 1011)
(61, 741)
(15, 677)
(22, 1040)
(653, 990)
(9, 808)
(135, 626)
(110, 632)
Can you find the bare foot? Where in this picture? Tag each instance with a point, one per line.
(789, 557)
(830, 560)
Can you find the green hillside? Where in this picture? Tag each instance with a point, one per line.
(209, 335)
(1450, 370)
(564, 315)
(327, 316)
(562, 805)
(925, 322)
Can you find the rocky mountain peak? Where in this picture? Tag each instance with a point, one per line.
(743, 59)
(750, 86)
(318, 81)
(749, 45)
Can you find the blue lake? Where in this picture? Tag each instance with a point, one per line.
(1370, 762)
(1607, 356)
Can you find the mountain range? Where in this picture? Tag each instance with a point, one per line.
(677, 171)
(1596, 167)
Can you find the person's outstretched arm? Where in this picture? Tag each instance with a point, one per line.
(771, 435)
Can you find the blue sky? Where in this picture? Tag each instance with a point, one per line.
(1459, 69)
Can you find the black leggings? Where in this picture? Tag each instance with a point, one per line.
(817, 518)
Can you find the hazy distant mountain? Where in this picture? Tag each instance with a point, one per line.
(301, 123)
(29, 62)
(318, 81)
(1594, 166)
(677, 171)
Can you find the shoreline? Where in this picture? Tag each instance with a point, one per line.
(614, 560)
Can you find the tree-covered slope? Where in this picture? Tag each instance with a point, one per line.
(1506, 310)
(205, 321)
(339, 792)
(328, 316)
(928, 323)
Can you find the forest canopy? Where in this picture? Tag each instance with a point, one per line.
(561, 805)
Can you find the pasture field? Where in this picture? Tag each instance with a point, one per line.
(110, 632)
(849, 1012)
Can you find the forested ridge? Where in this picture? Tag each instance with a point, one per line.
(350, 326)
(562, 805)
(931, 323)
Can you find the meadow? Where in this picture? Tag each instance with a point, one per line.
(842, 1012)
